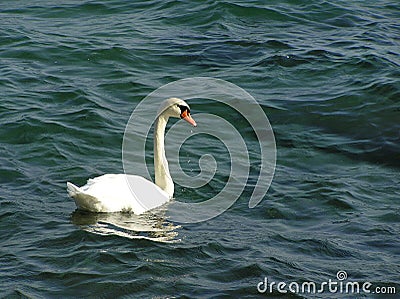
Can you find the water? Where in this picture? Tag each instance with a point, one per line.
(326, 74)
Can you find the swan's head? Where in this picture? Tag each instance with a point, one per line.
(175, 107)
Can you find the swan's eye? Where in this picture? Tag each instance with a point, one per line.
(184, 111)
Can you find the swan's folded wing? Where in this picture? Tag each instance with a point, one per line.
(148, 194)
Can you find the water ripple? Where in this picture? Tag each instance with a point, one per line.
(326, 74)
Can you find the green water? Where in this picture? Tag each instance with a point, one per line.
(326, 73)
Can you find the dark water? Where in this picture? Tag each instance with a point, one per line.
(325, 72)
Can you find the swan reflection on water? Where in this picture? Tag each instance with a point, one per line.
(149, 226)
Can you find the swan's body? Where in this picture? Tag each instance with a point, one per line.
(118, 193)
(132, 193)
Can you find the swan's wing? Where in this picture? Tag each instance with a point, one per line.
(148, 194)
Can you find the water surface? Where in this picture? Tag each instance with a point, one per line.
(326, 74)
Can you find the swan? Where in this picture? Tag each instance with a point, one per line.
(132, 193)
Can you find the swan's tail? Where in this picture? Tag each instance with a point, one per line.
(83, 200)
(72, 189)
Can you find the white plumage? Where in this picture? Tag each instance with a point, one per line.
(118, 193)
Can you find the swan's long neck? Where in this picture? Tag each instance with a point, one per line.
(162, 176)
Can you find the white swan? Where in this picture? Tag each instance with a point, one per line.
(132, 193)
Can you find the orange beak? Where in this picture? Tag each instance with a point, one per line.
(186, 116)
